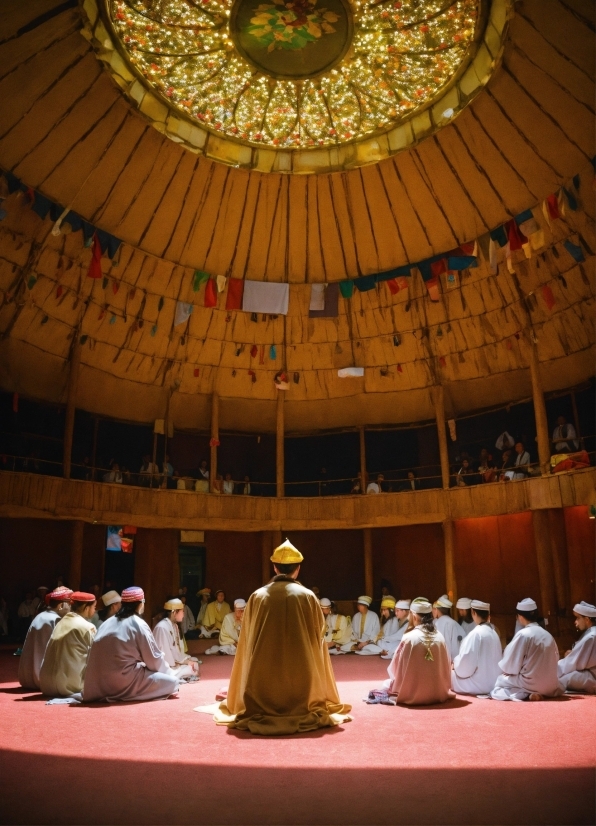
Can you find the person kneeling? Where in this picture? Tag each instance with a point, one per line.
(230, 631)
(63, 668)
(529, 664)
(167, 636)
(476, 667)
(420, 671)
(125, 662)
(577, 669)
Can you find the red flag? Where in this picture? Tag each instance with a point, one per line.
(515, 236)
(553, 207)
(95, 265)
(399, 368)
(549, 298)
(254, 350)
(196, 372)
(235, 293)
(210, 293)
(467, 248)
(437, 267)
(433, 288)
(393, 286)
(442, 361)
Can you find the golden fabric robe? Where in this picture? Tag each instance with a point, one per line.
(213, 617)
(282, 681)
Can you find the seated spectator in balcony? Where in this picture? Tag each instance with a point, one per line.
(124, 662)
(506, 463)
(564, 437)
(218, 484)
(357, 484)
(529, 664)
(505, 441)
(230, 631)
(147, 471)
(167, 470)
(63, 669)
(476, 667)
(520, 467)
(203, 472)
(214, 616)
(577, 669)
(486, 466)
(338, 628)
(376, 487)
(228, 484)
(38, 636)
(365, 628)
(113, 475)
(419, 673)
(465, 475)
(246, 486)
(167, 636)
(412, 483)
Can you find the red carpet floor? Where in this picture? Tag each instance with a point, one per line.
(468, 762)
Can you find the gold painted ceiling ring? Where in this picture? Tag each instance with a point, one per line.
(299, 76)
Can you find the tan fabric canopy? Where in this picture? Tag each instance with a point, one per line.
(66, 130)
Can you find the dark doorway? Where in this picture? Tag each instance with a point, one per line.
(192, 573)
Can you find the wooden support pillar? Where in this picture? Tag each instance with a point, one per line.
(438, 395)
(71, 401)
(546, 571)
(76, 555)
(279, 445)
(558, 542)
(539, 412)
(368, 562)
(450, 580)
(214, 440)
(363, 477)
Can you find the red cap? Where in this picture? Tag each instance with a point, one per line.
(82, 596)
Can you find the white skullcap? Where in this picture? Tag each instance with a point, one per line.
(110, 598)
(584, 609)
(478, 605)
(463, 603)
(404, 604)
(526, 604)
(420, 605)
(239, 603)
(325, 603)
(365, 601)
(173, 605)
(444, 602)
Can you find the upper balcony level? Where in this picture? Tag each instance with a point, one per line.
(37, 496)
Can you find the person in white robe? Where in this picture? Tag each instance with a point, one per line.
(214, 616)
(38, 636)
(450, 629)
(125, 662)
(577, 669)
(338, 628)
(391, 643)
(476, 667)
(529, 664)
(230, 631)
(168, 639)
(63, 668)
(463, 606)
(388, 628)
(419, 673)
(365, 628)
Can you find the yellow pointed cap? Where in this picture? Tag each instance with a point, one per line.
(286, 554)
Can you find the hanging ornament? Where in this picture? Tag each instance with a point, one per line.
(115, 287)
(59, 290)
(83, 338)
(196, 372)
(45, 319)
(112, 319)
(153, 330)
(160, 304)
(105, 282)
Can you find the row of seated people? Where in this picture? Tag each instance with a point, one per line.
(66, 656)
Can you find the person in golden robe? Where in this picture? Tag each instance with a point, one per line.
(282, 681)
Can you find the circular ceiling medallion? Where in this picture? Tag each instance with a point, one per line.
(292, 40)
(301, 75)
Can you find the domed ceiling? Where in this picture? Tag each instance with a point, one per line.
(88, 125)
